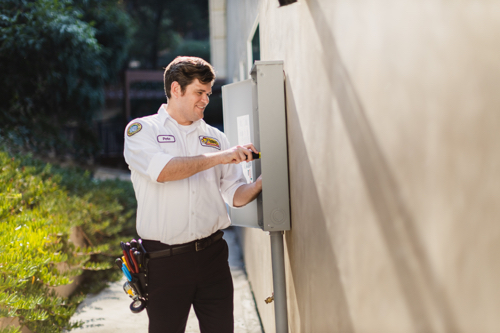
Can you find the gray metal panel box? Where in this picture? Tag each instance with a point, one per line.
(254, 111)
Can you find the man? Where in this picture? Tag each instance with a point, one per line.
(182, 172)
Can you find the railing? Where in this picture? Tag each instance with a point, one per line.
(110, 137)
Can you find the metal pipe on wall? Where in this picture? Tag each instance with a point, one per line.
(279, 281)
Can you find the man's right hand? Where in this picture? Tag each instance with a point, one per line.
(183, 167)
(238, 154)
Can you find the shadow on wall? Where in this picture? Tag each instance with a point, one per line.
(413, 268)
(320, 296)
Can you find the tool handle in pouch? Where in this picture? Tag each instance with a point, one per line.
(140, 279)
(134, 262)
(127, 273)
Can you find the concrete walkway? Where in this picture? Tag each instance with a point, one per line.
(108, 311)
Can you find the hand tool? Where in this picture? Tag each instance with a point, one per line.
(138, 257)
(127, 273)
(126, 253)
(129, 290)
(136, 266)
(255, 156)
(124, 262)
(119, 263)
(141, 247)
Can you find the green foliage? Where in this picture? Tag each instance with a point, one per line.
(54, 66)
(113, 31)
(195, 48)
(10, 329)
(40, 205)
(162, 27)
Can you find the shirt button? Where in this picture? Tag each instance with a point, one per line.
(192, 213)
(192, 192)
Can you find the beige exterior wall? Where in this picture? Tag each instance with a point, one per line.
(393, 111)
(218, 55)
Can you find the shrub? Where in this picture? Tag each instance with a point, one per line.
(39, 204)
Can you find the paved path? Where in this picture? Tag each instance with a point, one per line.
(108, 311)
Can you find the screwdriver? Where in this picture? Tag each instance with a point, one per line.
(135, 269)
(126, 254)
(141, 247)
(138, 257)
(119, 263)
(127, 273)
(255, 156)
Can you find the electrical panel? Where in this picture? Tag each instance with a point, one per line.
(254, 112)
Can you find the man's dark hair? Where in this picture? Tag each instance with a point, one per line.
(184, 70)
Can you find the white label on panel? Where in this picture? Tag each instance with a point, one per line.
(243, 129)
(243, 123)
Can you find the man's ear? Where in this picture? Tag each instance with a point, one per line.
(175, 89)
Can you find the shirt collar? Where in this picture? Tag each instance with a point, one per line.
(165, 116)
(162, 112)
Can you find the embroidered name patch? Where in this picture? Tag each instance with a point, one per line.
(134, 128)
(166, 138)
(207, 141)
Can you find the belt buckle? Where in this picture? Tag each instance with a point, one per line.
(199, 246)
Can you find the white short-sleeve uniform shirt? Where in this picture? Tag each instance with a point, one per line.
(180, 211)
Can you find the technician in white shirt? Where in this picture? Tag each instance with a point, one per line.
(182, 172)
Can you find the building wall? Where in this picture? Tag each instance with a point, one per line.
(241, 16)
(393, 116)
(218, 43)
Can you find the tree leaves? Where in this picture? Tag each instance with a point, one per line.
(54, 66)
(164, 26)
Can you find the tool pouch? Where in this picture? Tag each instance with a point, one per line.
(140, 280)
(134, 265)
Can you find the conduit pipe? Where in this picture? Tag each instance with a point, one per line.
(279, 281)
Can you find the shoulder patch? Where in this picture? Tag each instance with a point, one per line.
(134, 128)
(207, 141)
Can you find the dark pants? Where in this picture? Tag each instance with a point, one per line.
(201, 278)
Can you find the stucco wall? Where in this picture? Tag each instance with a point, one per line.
(241, 15)
(393, 111)
(218, 42)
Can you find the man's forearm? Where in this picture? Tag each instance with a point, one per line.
(184, 167)
(246, 193)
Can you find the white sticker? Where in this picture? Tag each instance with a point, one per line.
(243, 130)
(243, 124)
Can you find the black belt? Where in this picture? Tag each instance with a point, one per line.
(197, 245)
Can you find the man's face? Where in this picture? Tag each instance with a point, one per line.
(195, 100)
